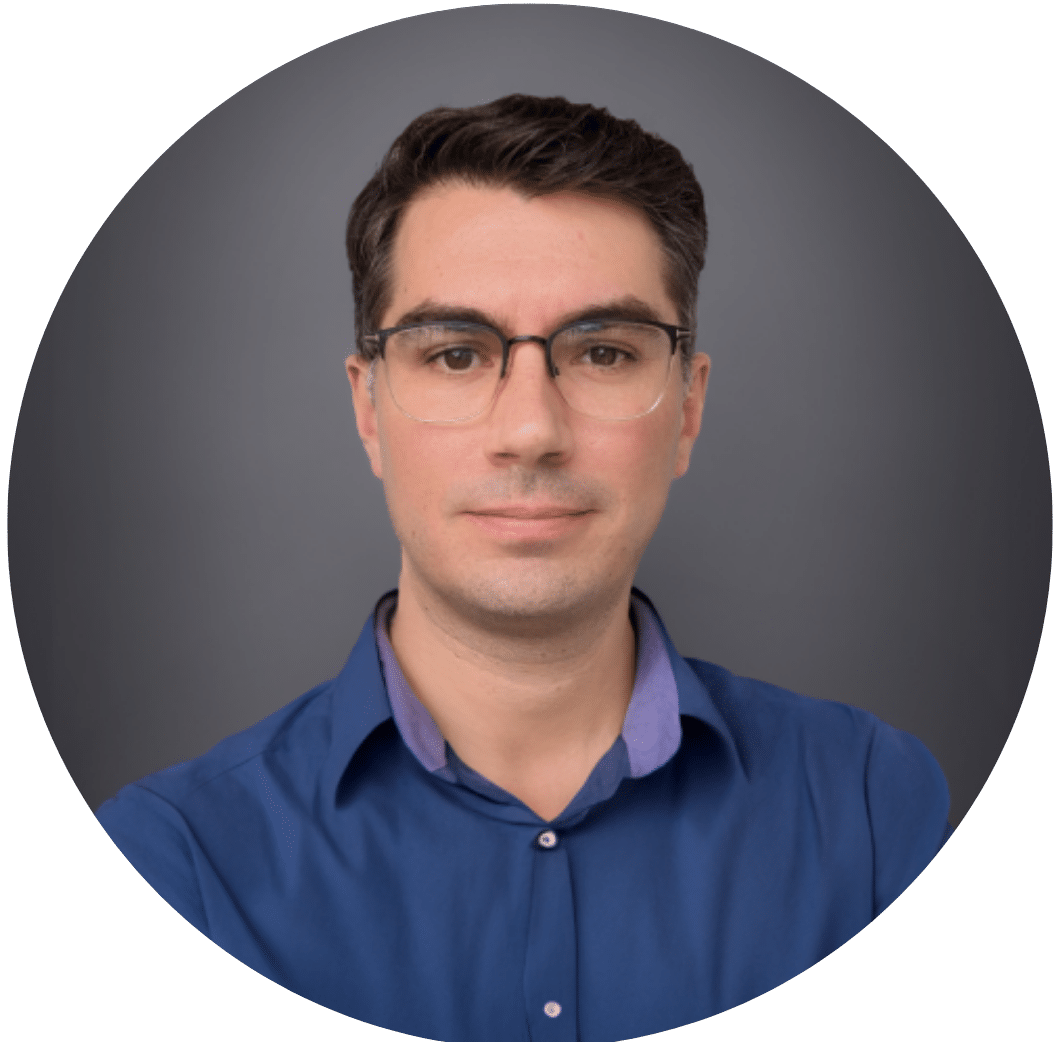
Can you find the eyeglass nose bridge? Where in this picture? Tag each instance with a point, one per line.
(547, 347)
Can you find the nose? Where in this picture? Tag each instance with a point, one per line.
(528, 422)
(527, 339)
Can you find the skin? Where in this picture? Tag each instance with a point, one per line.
(521, 529)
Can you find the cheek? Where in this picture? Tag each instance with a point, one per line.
(638, 463)
(402, 480)
(417, 471)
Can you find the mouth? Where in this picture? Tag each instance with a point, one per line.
(528, 523)
(518, 513)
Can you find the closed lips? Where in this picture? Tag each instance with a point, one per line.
(529, 515)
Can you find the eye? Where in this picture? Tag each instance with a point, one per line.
(605, 356)
(456, 360)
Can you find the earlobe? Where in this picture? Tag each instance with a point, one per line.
(361, 373)
(692, 411)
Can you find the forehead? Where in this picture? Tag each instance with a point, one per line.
(523, 260)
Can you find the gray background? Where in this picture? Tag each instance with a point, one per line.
(196, 537)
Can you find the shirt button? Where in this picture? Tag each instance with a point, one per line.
(547, 840)
(551, 1009)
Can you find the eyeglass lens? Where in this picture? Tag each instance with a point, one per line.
(607, 370)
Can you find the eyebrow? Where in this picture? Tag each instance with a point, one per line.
(623, 309)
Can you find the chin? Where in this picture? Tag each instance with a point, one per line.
(531, 595)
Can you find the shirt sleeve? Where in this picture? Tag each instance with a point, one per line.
(158, 843)
(907, 803)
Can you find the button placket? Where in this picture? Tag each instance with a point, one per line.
(550, 967)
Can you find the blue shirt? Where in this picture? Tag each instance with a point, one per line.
(392, 883)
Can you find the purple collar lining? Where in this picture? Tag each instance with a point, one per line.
(651, 728)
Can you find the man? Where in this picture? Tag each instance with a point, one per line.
(518, 812)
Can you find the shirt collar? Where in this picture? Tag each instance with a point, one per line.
(370, 690)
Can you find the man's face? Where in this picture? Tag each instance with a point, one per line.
(530, 513)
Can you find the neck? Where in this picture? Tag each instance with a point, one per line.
(532, 708)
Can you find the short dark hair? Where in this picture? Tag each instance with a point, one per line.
(537, 146)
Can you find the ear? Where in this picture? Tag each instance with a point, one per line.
(692, 409)
(358, 373)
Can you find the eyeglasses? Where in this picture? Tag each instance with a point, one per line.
(446, 372)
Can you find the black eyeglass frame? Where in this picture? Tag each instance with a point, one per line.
(675, 333)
